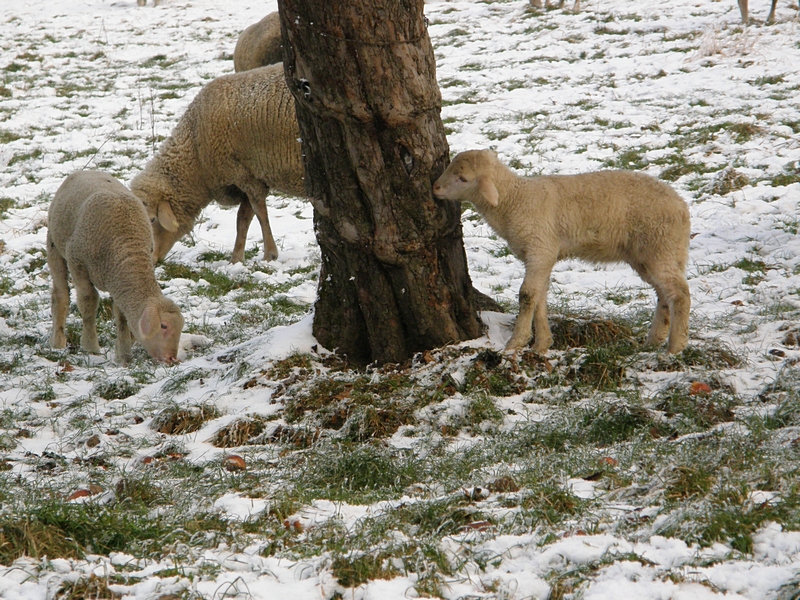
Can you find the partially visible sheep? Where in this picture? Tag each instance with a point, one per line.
(259, 45)
(608, 216)
(745, 16)
(237, 140)
(143, 2)
(99, 233)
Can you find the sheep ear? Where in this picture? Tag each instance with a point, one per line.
(487, 189)
(166, 217)
(149, 322)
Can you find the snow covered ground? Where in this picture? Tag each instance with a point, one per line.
(679, 90)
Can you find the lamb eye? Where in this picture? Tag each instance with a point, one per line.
(462, 179)
(163, 326)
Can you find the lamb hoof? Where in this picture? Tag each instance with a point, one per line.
(676, 348)
(58, 342)
(90, 346)
(516, 343)
(270, 254)
(542, 345)
(541, 348)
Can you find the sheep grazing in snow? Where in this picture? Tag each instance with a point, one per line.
(237, 140)
(100, 234)
(259, 45)
(608, 216)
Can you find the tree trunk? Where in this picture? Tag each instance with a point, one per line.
(394, 277)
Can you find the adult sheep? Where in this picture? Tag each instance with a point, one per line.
(607, 216)
(100, 234)
(259, 44)
(237, 141)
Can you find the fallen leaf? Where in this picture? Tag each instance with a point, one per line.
(477, 526)
(234, 462)
(78, 494)
(698, 388)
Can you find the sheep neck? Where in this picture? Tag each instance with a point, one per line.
(133, 285)
(188, 185)
(501, 217)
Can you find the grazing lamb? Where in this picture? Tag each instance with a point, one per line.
(608, 216)
(99, 233)
(237, 140)
(259, 45)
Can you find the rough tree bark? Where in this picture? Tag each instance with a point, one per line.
(394, 277)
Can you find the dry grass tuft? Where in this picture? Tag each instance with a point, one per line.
(179, 421)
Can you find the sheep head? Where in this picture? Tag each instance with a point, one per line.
(159, 330)
(469, 177)
(166, 230)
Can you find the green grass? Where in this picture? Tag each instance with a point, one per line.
(632, 158)
(119, 389)
(216, 284)
(5, 205)
(333, 446)
(789, 175)
(8, 136)
(25, 156)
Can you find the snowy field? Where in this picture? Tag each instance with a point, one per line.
(679, 90)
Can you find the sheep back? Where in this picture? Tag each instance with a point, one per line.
(259, 44)
(237, 141)
(248, 120)
(96, 221)
(241, 125)
(606, 216)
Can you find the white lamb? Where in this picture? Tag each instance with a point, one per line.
(607, 216)
(99, 233)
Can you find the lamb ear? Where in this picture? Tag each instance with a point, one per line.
(149, 322)
(487, 189)
(166, 217)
